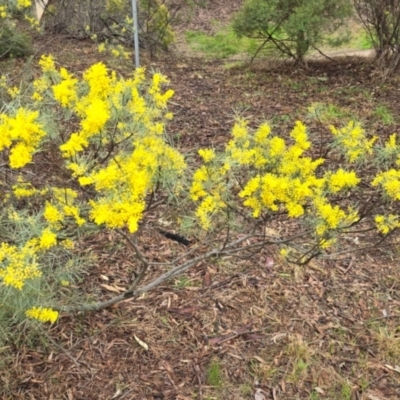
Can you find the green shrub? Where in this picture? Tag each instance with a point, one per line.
(293, 27)
(14, 43)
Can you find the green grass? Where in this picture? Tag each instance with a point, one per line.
(214, 374)
(222, 44)
(314, 395)
(245, 389)
(388, 343)
(360, 40)
(384, 114)
(330, 113)
(346, 391)
(299, 371)
(364, 42)
(183, 282)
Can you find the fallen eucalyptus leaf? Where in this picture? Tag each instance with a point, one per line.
(143, 344)
(259, 395)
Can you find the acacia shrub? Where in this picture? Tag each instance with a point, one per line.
(114, 169)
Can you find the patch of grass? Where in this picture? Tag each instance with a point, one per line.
(282, 121)
(233, 65)
(314, 395)
(299, 370)
(365, 42)
(330, 113)
(333, 112)
(298, 351)
(364, 384)
(245, 389)
(388, 342)
(222, 44)
(183, 282)
(214, 374)
(294, 84)
(353, 91)
(346, 391)
(297, 348)
(384, 114)
(359, 38)
(261, 371)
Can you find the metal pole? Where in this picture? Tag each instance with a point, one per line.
(135, 32)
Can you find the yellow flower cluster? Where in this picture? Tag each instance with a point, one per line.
(207, 154)
(24, 3)
(3, 12)
(275, 176)
(285, 179)
(42, 314)
(47, 239)
(65, 91)
(24, 133)
(101, 97)
(63, 205)
(13, 92)
(18, 264)
(390, 183)
(23, 189)
(160, 99)
(330, 218)
(208, 187)
(125, 181)
(118, 113)
(387, 223)
(47, 63)
(353, 139)
(116, 51)
(341, 179)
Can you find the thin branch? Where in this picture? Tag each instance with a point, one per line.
(133, 292)
(323, 54)
(145, 264)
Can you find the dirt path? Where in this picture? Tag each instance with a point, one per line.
(341, 53)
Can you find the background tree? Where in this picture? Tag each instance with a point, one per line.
(111, 20)
(293, 26)
(381, 20)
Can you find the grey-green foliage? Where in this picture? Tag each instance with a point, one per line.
(60, 271)
(293, 26)
(12, 42)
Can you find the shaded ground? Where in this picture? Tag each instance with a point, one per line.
(226, 330)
